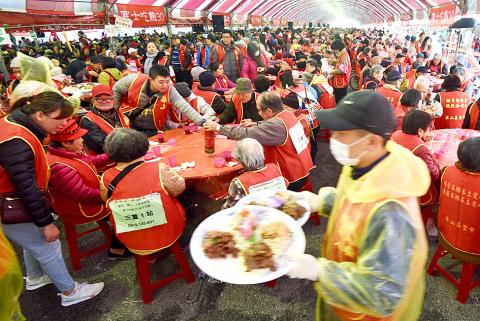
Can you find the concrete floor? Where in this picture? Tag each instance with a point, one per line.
(289, 300)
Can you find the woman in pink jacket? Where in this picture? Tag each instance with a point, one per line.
(252, 62)
(222, 83)
(68, 178)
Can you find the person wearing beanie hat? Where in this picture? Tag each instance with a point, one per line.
(102, 119)
(402, 67)
(391, 89)
(197, 103)
(286, 64)
(74, 185)
(375, 226)
(207, 91)
(134, 60)
(196, 71)
(454, 102)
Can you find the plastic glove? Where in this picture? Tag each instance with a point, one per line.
(314, 200)
(305, 267)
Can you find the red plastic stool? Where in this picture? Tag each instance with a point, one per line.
(142, 263)
(466, 282)
(271, 284)
(308, 187)
(72, 241)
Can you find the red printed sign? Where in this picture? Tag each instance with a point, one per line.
(443, 15)
(256, 21)
(283, 22)
(227, 20)
(276, 22)
(143, 16)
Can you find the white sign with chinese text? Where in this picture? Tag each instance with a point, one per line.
(4, 37)
(123, 23)
(299, 140)
(138, 213)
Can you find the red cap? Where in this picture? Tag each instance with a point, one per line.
(101, 90)
(70, 131)
(289, 61)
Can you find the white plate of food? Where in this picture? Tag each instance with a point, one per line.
(247, 244)
(283, 200)
(79, 89)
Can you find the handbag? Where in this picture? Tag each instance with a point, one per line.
(12, 210)
(120, 176)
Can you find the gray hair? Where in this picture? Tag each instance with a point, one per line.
(437, 55)
(249, 152)
(421, 81)
(376, 69)
(459, 71)
(125, 145)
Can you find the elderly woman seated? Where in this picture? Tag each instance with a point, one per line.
(258, 175)
(145, 213)
(436, 66)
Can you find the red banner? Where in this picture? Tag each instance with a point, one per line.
(277, 22)
(256, 21)
(443, 15)
(143, 16)
(227, 20)
(51, 23)
(283, 22)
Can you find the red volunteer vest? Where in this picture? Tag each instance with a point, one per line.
(341, 81)
(458, 221)
(10, 130)
(208, 96)
(455, 104)
(412, 143)
(144, 180)
(181, 51)
(221, 55)
(294, 166)
(237, 103)
(411, 77)
(178, 117)
(103, 124)
(266, 178)
(393, 96)
(161, 106)
(326, 100)
(474, 114)
(69, 210)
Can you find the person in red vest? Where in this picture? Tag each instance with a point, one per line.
(472, 119)
(204, 57)
(160, 186)
(17, 76)
(286, 65)
(197, 102)
(391, 89)
(180, 59)
(436, 66)
(467, 84)
(282, 137)
(228, 55)
(74, 185)
(147, 99)
(222, 83)
(243, 105)
(102, 119)
(373, 81)
(414, 133)
(454, 103)
(258, 176)
(412, 75)
(24, 174)
(409, 101)
(94, 68)
(134, 60)
(153, 57)
(208, 93)
(342, 71)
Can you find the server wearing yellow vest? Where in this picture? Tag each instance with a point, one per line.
(372, 265)
(147, 100)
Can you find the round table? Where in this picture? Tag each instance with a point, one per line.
(444, 143)
(205, 177)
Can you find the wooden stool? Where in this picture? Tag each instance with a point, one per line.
(142, 263)
(72, 241)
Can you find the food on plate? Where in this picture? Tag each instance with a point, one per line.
(259, 256)
(276, 235)
(217, 244)
(245, 223)
(284, 202)
(292, 208)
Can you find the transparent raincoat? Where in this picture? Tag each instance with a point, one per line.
(375, 249)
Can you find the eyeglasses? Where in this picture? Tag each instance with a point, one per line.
(104, 100)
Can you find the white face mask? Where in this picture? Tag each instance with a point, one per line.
(341, 151)
(257, 53)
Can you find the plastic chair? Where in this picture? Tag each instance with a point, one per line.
(470, 263)
(143, 262)
(72, 241)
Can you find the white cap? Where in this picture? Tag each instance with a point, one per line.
(130, 50)
(296, 75)
(15, 63)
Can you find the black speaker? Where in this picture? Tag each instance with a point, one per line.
(290, 25)
(319, 25)
(310, 25)
(41, 34)
(218, 23)
(198, 28)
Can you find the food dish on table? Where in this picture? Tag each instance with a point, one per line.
(219, 245)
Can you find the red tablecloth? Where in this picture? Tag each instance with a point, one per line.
(205, 177)
(445, 143)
